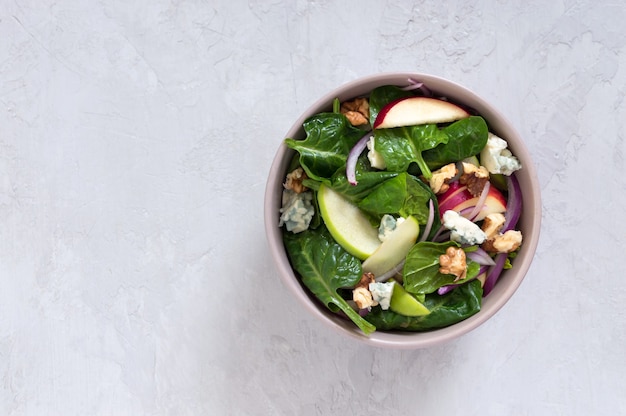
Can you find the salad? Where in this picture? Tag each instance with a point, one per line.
(399, 209)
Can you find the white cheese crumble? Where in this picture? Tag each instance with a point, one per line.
(387, 225)
(462, 230)
(497, 158)
(381, 293)
(376, 159)
(297, 210)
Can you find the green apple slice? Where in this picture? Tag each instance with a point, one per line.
(404, 303)
(394, 249)
(347, 223)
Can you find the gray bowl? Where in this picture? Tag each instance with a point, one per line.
(529, 223)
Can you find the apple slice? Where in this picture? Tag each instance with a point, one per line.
(412, 111)
(455, 189)
(404, 303)
(454, 199)
(494, 203)
(394, 249)
(347, 223)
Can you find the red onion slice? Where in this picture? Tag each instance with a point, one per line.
(445, 289)
(441, 234)
(513, 204)
(429, 222)
(481, 202)
(419, 86)
(448, 288)
(494, 273)
(465, 212)
(459, 172)
(513, 212)
(413, 85)
(353, 157)
(481, 257)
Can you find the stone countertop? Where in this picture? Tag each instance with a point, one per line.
(135, 142)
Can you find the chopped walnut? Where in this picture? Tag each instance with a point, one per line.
(363, 298)
(294, 180)
(492, 225)
(361, 294)
(366, 279)
(475, 177)
(356, 111)
(453, 262)
(439, 180)
(503, 243)
(355, 118)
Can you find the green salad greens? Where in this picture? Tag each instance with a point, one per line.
(418, 213)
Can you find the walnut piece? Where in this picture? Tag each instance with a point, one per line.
(355, 118)
(361, 294)
(438, 182)
(475, 177)
(363, 298)
(453, 262)
(503, 243)
(294, 180)
(357, 111)
(492, 225)
(366, 279)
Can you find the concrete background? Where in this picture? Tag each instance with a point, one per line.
(135, 142)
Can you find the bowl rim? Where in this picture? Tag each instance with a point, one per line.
(391, 339)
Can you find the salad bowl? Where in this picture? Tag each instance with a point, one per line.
(528, 222)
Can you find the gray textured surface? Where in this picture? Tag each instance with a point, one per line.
(134, 146)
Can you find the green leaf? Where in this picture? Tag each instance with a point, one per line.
(466, 137)
(325, 267)
(329, 138)
(421, 268)
(417, 196)
(403, 195)
(366, 181)
(402, 146)
(445, 310)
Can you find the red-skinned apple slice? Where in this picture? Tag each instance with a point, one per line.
(412, 111)
(494, 203)
(454, 189)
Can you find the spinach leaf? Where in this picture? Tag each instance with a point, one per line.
(401, 195)
(381, 96)
(445, 310)
(367, 180)
(401, 146)
(325, 267)
(421, 268)
(329, 138)
(466, 137)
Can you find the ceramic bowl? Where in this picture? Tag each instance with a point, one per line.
(529, 223)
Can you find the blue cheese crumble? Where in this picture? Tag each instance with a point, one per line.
(297, 210)
(381, 293)
(497, 158)
(387, 225)
(462, 230)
